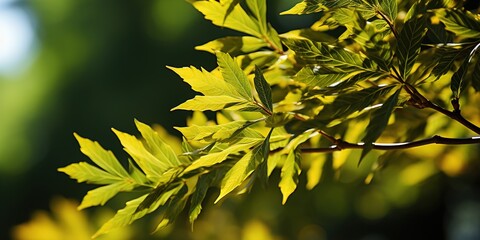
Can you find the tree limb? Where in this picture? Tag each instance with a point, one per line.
(340, 144)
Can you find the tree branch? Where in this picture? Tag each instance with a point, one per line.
(394, 146)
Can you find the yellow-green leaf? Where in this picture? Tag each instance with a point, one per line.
(234, 75)
(289, 175)
(218, 157)
(99, 196)
(157, 146)
(237, 19)
(204, 82)
(85, 172)
(103, 158)
(212, 103)
(150, 165)
(233, 45)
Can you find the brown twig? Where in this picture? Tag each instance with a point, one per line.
(394, 146)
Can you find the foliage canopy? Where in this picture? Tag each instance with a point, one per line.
(367, 72)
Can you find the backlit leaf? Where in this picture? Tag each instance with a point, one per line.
(233, 45)
(238, 19)
(378, 122)
(84, 172)
(100, 195)
(314, 77)
(349, 103)
(212, 103)
(218, 157)
(103, 158)
(157, 146)
(263, 89)
(459, 78)
(329, 56)
(409, 42)
(289, 175)
(234, 75)
(463, 23)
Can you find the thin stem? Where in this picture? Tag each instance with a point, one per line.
(272, 45)
(455, 115)
(394, 146)
(390, 24)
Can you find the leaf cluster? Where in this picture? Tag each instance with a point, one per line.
(353, 75)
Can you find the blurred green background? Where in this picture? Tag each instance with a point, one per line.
(87, 66)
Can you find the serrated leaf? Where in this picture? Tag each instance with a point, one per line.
(127, 215)
(238, 173)
(306, 7)
(100, 195)
(262, 172)
(204, 82)
(122, 218)
(233, 45)
(463, 23)
(103, 158)
(214, 132)
(263, 89)
(378, 122)
(389, 7)
(218, 157)
(348, 103)
(230, 8)
(289, 175)
(150, 165)
(408, 44)
(84, 172)
(459, 80)
(329, 56)
(237, 19)
(204, 182)
(259, 11)
(446, 58)
(213, 103)
(234, 75)
(314, 77)
(155, 145)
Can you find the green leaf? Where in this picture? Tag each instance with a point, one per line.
(259, 10)
(218, 157)
(213, 103)
(127, 215)
(463, 23)
(331, 57)
(447, 56)
(103, 158)
(459, 79)
(262, 172)
(348, 103)
(204, 82)
(409, 42)
(204, 182)
(378, 122)
(123, 217)
(161, 150)
(150, 165)
(263, 89)
(234, 75)
(389, 7)
(233, 45)
(214, 132)
(239, 172)
(230, 8)
(237, 19)
(289, 175)
(314, 77)
(99, 196)
(306, 7)
(85, 172)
